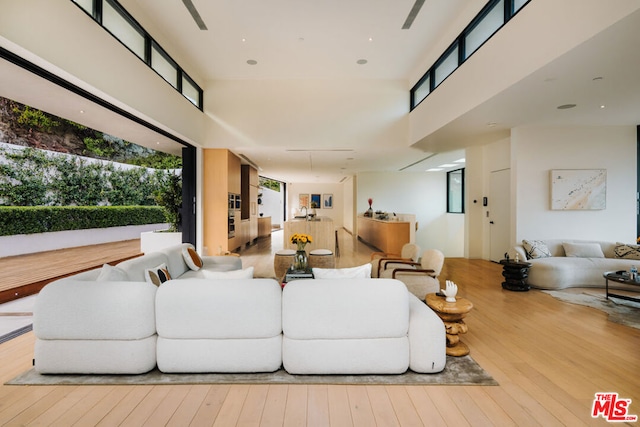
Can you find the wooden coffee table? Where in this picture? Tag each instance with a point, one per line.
(452, 314)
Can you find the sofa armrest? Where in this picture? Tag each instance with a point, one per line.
(427, 339)
(221, 263)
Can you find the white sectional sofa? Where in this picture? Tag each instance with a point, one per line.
(359, 326)
(564, 263)
(226, 321)
(103, 321)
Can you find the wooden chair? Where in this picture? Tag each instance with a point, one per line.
(409, 252)
(420, 278)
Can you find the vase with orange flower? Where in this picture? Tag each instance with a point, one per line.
(300, 259)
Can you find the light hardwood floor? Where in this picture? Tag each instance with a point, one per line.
(549, 358)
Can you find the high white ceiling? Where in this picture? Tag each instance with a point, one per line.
(304, 39)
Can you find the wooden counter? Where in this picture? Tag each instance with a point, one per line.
(321, 231)
(264, 226)
(387, 236)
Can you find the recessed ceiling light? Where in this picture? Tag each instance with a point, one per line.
(566, 106)
(434, 170)
(361, 61)
(244, 40)
(463, 160)
(81, 111)
(447, 165)
(602, 107)
(252, 62)
(492, 124)
(370, 39)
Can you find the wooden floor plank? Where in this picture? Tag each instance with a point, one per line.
(274, 407)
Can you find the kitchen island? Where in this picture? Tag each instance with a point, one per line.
(385, 235)
(321, 230)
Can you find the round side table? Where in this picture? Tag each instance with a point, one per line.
(452, 314)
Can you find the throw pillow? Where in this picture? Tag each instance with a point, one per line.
(536, 249)
(109, 273)
(625, 251)
(157, 275)
(363, 271)
(247, 273)
(191, 258)
(583, 250)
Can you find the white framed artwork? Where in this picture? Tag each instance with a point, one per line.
(578, 189)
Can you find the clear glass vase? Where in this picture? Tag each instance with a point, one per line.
(300, 260)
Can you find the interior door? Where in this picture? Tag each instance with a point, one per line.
(499, 213)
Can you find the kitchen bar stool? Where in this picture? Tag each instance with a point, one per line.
(282, 261)
(322, 258)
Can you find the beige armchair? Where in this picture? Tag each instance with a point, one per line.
(420, 278)
(409, 252)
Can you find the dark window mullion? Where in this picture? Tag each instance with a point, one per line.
(148, 41)
(97, 11)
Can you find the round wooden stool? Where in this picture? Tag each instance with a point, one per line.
(282, 261)
(322, 258)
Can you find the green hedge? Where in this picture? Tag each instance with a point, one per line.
(42, 219)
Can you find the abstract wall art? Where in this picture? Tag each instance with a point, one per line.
(578, 189)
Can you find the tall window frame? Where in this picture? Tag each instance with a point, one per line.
(455, 191)
(151, 53)
(429, 81)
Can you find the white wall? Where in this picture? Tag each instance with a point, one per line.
(272, 205)
(335, 213)
(348, 204)
(422, 194)
(537, 150)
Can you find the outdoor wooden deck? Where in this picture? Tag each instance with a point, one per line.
(23, 275)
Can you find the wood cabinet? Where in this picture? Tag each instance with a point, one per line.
(264, 226)
(386, 236)
(221, 176)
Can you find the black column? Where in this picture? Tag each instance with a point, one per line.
(189, 195)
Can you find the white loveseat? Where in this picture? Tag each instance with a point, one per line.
(86, 325)
(359, 326)
(575, 263)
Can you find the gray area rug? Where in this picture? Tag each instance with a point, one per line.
(458, 371)
(619, 310)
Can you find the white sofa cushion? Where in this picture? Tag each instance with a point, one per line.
(191, 257)
(95, 356)
(136, 267)
(246, 273)
(157, 275)
(345, 308)
(111, 273)
(626, 251)
(582, 250)
(219, 309)
(71, 309)
(359, 272)
(536, 249)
